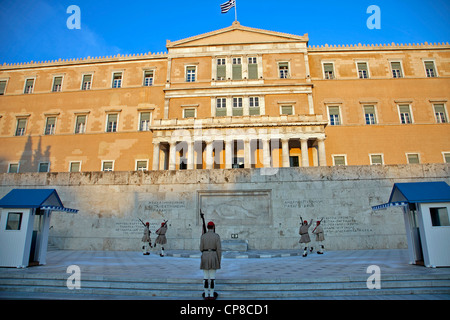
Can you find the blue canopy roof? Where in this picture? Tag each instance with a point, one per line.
(46, 199)
(421, 192)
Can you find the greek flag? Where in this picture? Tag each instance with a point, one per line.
(225, 7)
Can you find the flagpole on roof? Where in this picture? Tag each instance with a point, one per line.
(235, 10)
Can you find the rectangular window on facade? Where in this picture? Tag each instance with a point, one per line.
(287, 110)
(111, 123)
(376, 159)
(14, 221)
(29, 84)
(141, 165)
(439, 111)
(439, 217)
(21, 127)
(221, 107)
(144, 122)
(189, 113)
(237, 69)
(294, 161)
(339, 160)
(252, 68)
(148, 78)
(334, 116)
(446, 157)
(405, 113)
(80, 124)
(2, 87)
(57, 84)
(413, 158)
(86, 83)
(44, 167)
(369, 114)
(75, 166)
(430, 69)
(283, 69)
(107, 165)
(50, 126)
(254, 106)
(237, 106)
(221, 69)
(363, 71)
(328, 70)
(117, 80)
(13, 168)
(190, 73)
(396, 70)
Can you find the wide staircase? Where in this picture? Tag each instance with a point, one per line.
(54, 286)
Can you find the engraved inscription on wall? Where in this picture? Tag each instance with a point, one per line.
(249, 207)
(344, 225)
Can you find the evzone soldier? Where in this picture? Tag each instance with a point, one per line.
(211, 249)
(146, 241)
(304, 236)
(318, 231)
(161, 238)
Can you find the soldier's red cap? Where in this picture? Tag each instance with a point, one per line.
(210, 224)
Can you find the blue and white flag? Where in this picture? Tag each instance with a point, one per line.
(225, 7)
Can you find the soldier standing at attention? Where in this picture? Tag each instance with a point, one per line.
(161, 239)
(211, 249)
(304, 236)
(146, 241)
(318, 231)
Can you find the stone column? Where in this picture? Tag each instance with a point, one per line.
(209, 154)
(190, 155)
(247, 154)
(305, 155)
(172, 155)
(155, 156)
(285, 152)
(266, 152)
(322, 154)
(228, 153)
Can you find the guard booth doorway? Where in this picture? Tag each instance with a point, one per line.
(411, 213)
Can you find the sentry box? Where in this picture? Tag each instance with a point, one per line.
(24, 226)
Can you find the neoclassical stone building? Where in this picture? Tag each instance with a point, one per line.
(238, 97)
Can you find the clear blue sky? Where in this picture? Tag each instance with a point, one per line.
(36, 30)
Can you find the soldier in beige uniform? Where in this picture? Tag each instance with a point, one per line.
(304, 236)
(146, 241)
(161, 238)
(318, 231)
(211, 249)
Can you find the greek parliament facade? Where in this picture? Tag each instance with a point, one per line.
(254, 127)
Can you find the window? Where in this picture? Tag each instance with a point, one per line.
(111, 123)
(396, 70)
(50, 126)
(339, 160)
(413, 158)
(13, 168)
(86, 82)
(2, 87)
(405, 113)
(14, 221)
(144, 122)
(189, 113)
(148, 78)
(221, 69)
(294, 161)
(369, 114)
(141, 165)
(446, 157)
(430, 69)
(44, 167)
(221, 107)
(439, 217)
(363, 71)
(237, 106)
(439, 111)
(75, 166)
(29, 84)
(283, 68)
(286, 110)
(190, 73)
(254, 106)
(21, 127)
(107, 165)
(252, 68)
(237, 69)
(57, 84)
(328, 70)
(117, 80)
(376, 159)
(334, 116)
(80, 124)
